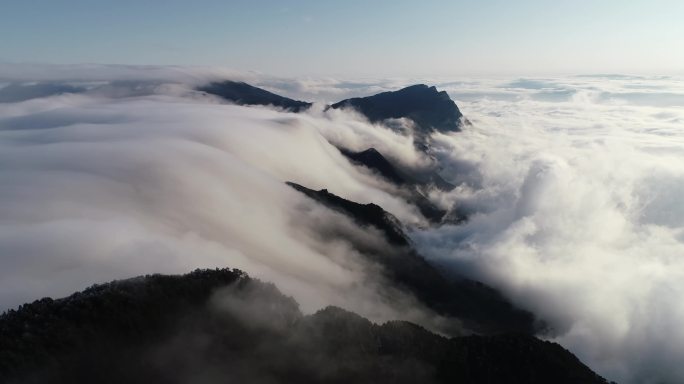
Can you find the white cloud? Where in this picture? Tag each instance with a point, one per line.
(579, 218)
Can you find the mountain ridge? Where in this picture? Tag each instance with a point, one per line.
(413, 188)
(430, 109)
(242, 93)
(202, 327)
(479, 307)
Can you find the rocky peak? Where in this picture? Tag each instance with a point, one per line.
(430, 109)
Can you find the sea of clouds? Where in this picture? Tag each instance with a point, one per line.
(574, 185)
(144, 175)
(580, 212)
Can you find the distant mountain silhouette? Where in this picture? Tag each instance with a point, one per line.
(217, 326)
(374, 160)
(20, 92)
(364, 214)
(245, 94)
(429, 108)
(480, 308)
(414, 186)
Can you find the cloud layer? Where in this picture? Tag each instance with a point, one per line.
(579, 213)
(574, 187)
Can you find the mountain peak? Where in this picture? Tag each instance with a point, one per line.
(242, 93)
(430, 109)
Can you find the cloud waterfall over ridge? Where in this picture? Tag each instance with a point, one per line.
(95, 188)
(578, 216)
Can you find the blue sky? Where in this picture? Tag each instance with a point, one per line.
(389, 38)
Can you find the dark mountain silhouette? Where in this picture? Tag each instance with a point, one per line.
(480, 308)
(245, 94)
(429, 108)
(372, 159)
(216, 326)
(364, 214)
(414, 187)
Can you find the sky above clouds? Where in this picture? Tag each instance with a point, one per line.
(354, 38)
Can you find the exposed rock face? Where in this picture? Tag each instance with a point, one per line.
(430, 109)
(216, 326)
(245, 94)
